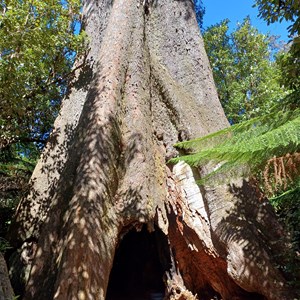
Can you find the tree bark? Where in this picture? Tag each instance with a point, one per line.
(6, 291)
(105, 170)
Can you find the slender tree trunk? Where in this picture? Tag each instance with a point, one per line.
(104, 171)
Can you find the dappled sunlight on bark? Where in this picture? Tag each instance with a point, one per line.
(105, 174)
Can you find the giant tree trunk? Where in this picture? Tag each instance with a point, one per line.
(104, 173)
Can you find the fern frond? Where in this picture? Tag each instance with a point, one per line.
(240, 131)
(251, 143)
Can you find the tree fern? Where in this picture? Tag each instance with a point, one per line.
(244, 148)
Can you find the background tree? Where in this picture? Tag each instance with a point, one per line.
(276, 11)
(246, 75)
(37, 51)
(289, 10)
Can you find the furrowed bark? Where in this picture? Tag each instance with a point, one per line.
(105, 171)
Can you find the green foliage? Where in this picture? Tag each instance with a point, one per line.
(246, 76)
(287, 207)
(37, 51)
(289, 10)
(289, 64)
(38, 44)
(276, 10)
(288, 210)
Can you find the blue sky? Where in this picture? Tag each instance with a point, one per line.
(236, 11)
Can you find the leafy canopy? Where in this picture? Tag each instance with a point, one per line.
(245, 73)
(37, 51)
(278, 10)
(38, 44)
(289, 10)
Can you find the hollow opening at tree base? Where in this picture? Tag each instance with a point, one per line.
(137, 272)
